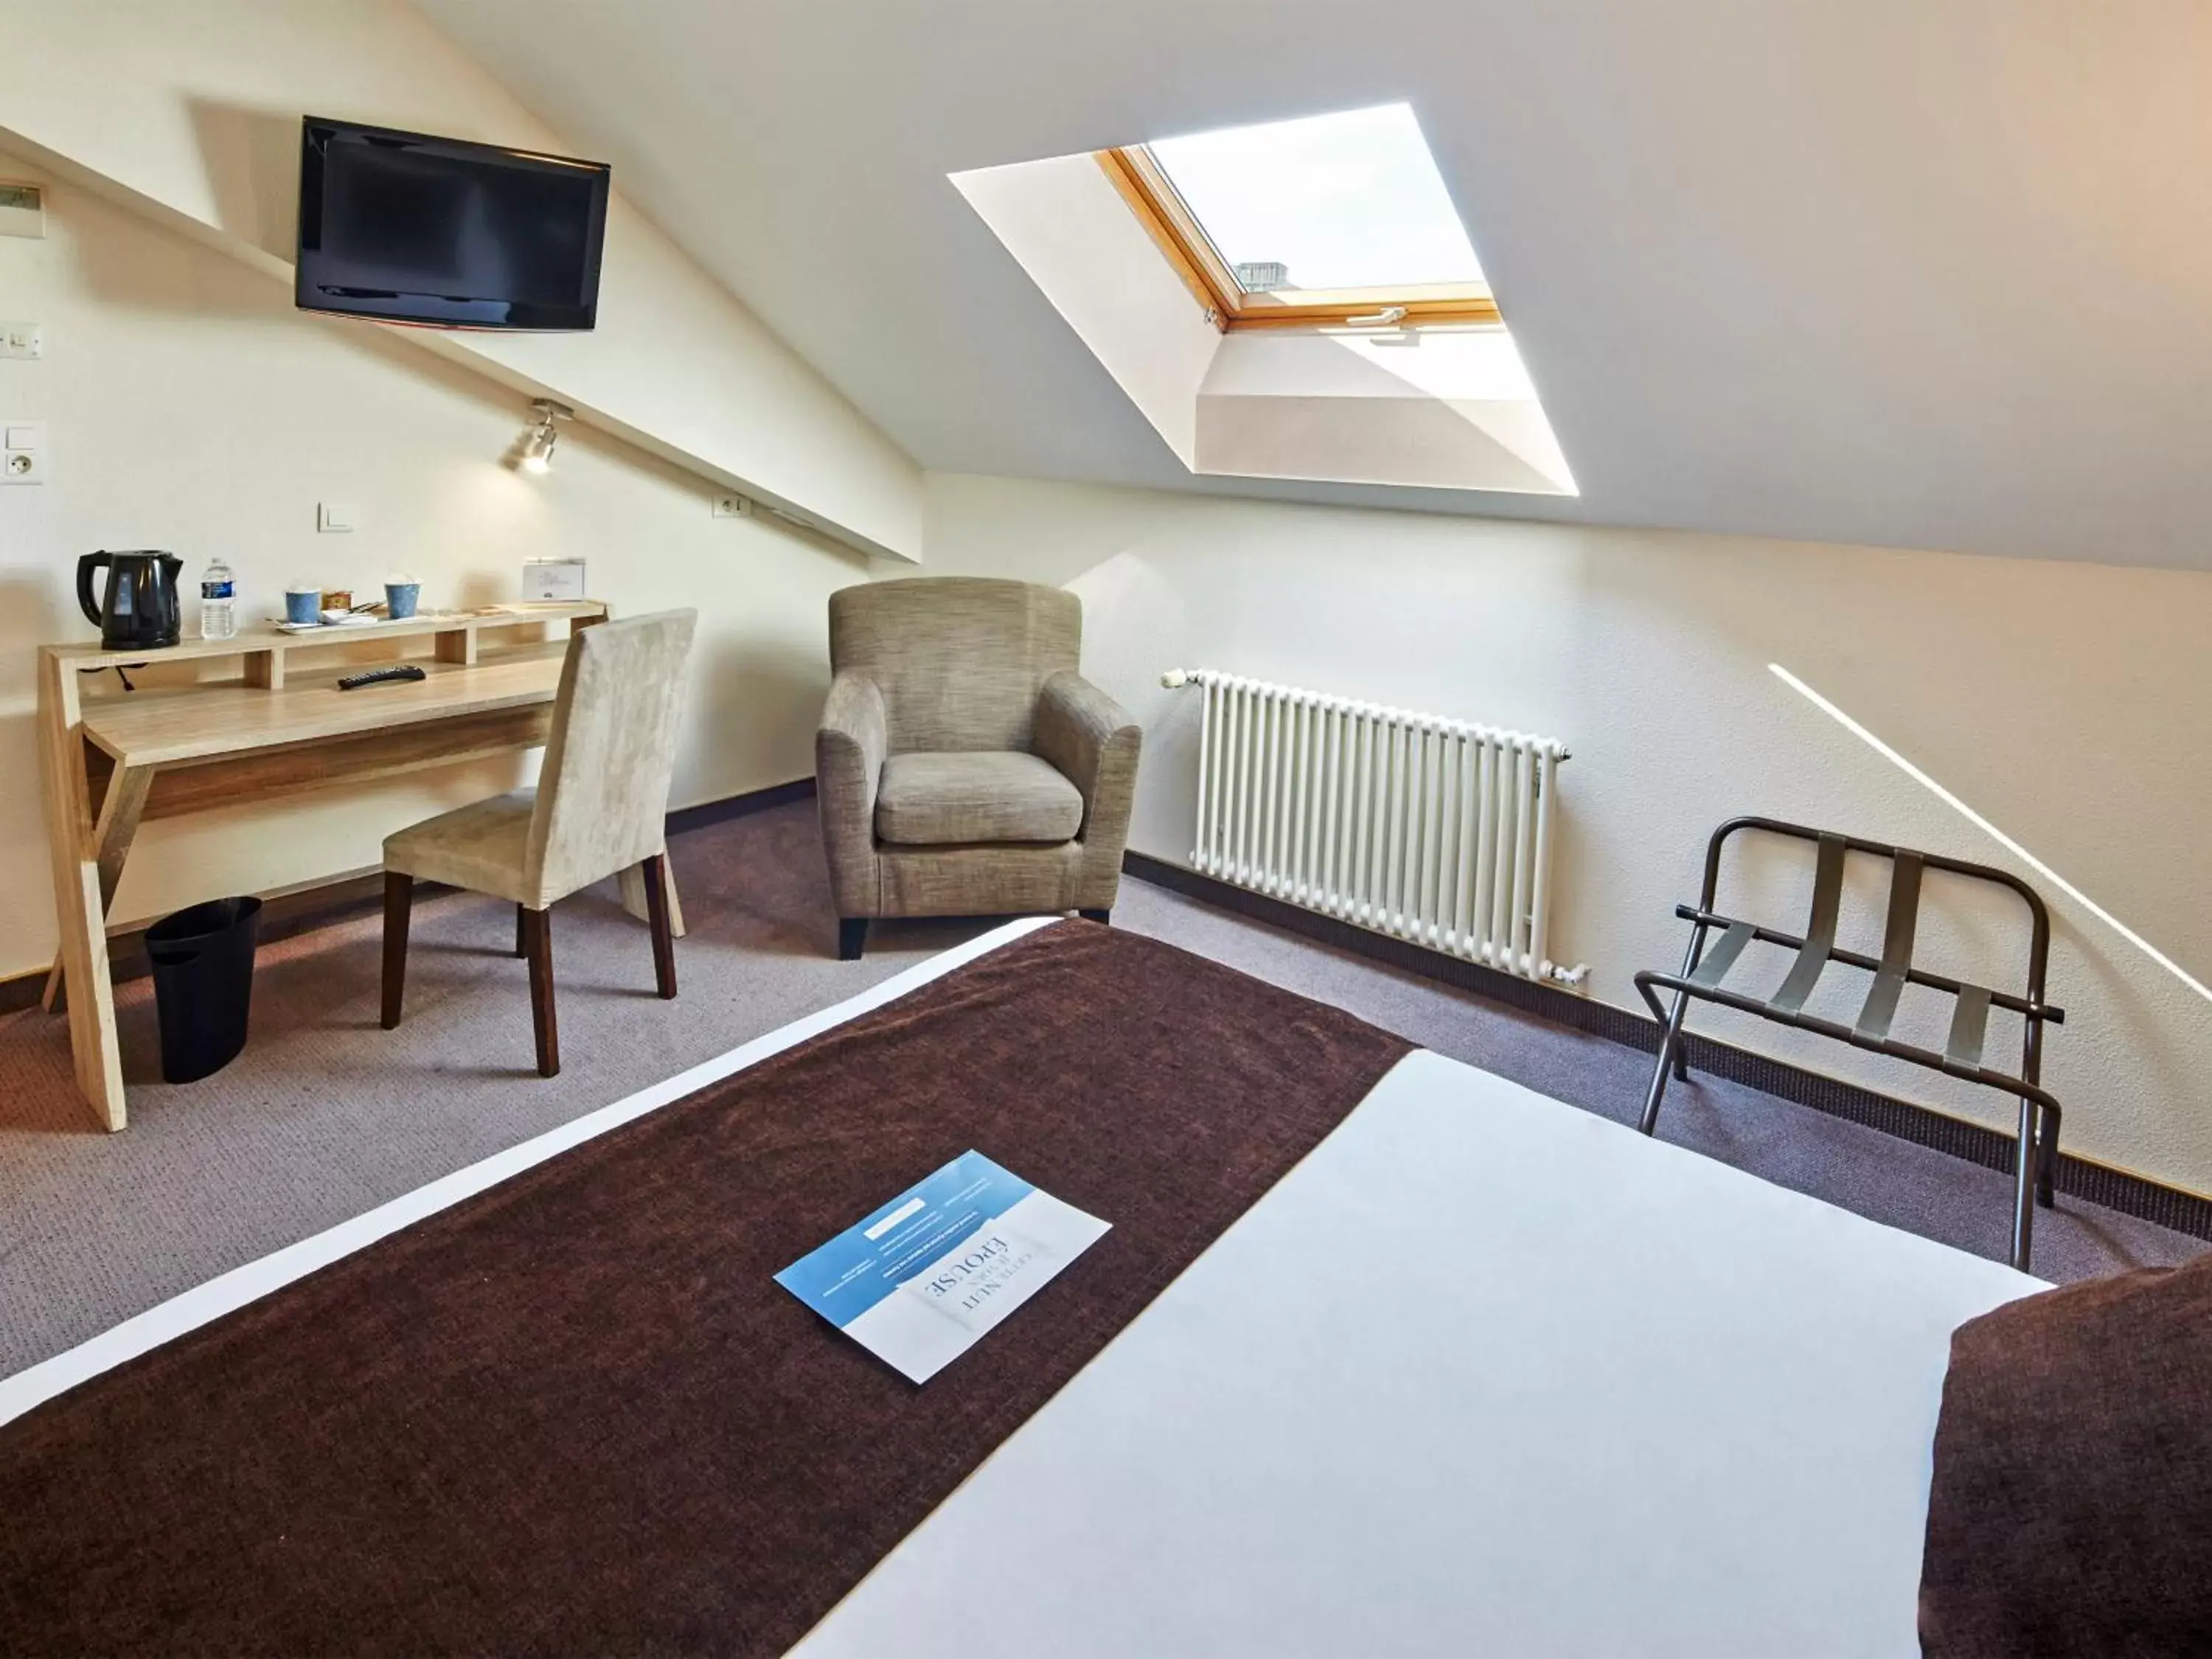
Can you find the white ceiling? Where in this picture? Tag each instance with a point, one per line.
(1930, 273)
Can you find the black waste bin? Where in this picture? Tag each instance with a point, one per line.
(203, 960)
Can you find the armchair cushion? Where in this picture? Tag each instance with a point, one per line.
(940, 799)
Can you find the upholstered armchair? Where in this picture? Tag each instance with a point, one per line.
(963, 766)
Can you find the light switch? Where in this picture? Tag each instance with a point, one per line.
(23, 340)
(337, 516)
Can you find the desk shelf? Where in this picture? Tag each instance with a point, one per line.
(267, 653)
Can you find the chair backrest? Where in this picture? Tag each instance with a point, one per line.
(602, 791)
(960, 659)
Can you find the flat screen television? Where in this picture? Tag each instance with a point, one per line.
(410, 229)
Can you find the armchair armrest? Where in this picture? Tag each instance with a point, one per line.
(849, 762)
(1091, 739)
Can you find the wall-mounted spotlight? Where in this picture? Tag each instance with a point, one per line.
(537, 442)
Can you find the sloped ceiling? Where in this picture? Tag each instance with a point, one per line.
(1930, 273)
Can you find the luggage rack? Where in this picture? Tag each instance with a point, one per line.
(1703, 971)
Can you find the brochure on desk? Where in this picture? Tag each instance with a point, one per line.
(918, 1282)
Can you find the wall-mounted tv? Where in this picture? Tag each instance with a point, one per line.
(415, 230)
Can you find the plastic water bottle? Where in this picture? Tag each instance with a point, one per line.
(218, 614)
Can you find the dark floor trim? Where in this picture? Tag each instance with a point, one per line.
(331, 902)
(2096, 1183)
(738, 806)
(285, 916)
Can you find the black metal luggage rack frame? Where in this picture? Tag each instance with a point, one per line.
(1703, 971)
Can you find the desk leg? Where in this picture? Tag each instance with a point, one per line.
(632, 895)
(78, 904)
(111, 840)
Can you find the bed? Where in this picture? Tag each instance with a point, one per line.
(1480, 1372)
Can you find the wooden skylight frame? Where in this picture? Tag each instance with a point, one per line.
(1152, 197)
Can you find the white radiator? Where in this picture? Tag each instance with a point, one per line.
(1435, 830)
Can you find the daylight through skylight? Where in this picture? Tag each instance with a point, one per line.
(1347, 201)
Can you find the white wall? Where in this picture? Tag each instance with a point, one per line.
(1075, 236)
(2068, 704)
(192, 407)
(192, 112)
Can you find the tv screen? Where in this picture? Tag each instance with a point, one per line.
(415, 229)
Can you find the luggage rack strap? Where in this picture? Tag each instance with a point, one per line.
(1713, 966)
(1648, 980)
(1970, 1023)
(2005, 1000)
(1820, 931)
(1881, 1006)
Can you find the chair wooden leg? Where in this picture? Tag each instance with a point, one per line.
(537, 939)
(664, 938)
(521, 930)
(398, 903)
(852, 938)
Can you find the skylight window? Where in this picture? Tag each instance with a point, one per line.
(1335, 201)
(1330, 219)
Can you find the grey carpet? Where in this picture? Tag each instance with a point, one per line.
(326, 1115)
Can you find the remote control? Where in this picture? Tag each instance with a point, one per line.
(399, 671)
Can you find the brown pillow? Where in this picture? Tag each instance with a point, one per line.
(2071, 1511)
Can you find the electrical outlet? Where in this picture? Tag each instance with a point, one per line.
(23, 340)
(732, 507)
(23, 455)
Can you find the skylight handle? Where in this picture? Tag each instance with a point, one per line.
(1382, 318)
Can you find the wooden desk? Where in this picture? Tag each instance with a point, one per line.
(108, 763)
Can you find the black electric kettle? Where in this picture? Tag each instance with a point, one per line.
(141, 610)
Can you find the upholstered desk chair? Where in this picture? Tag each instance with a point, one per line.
(963, 766)
(600, 806)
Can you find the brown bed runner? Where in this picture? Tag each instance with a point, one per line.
(574, 1414)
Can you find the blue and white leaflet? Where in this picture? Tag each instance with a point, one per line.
(920, 1279)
